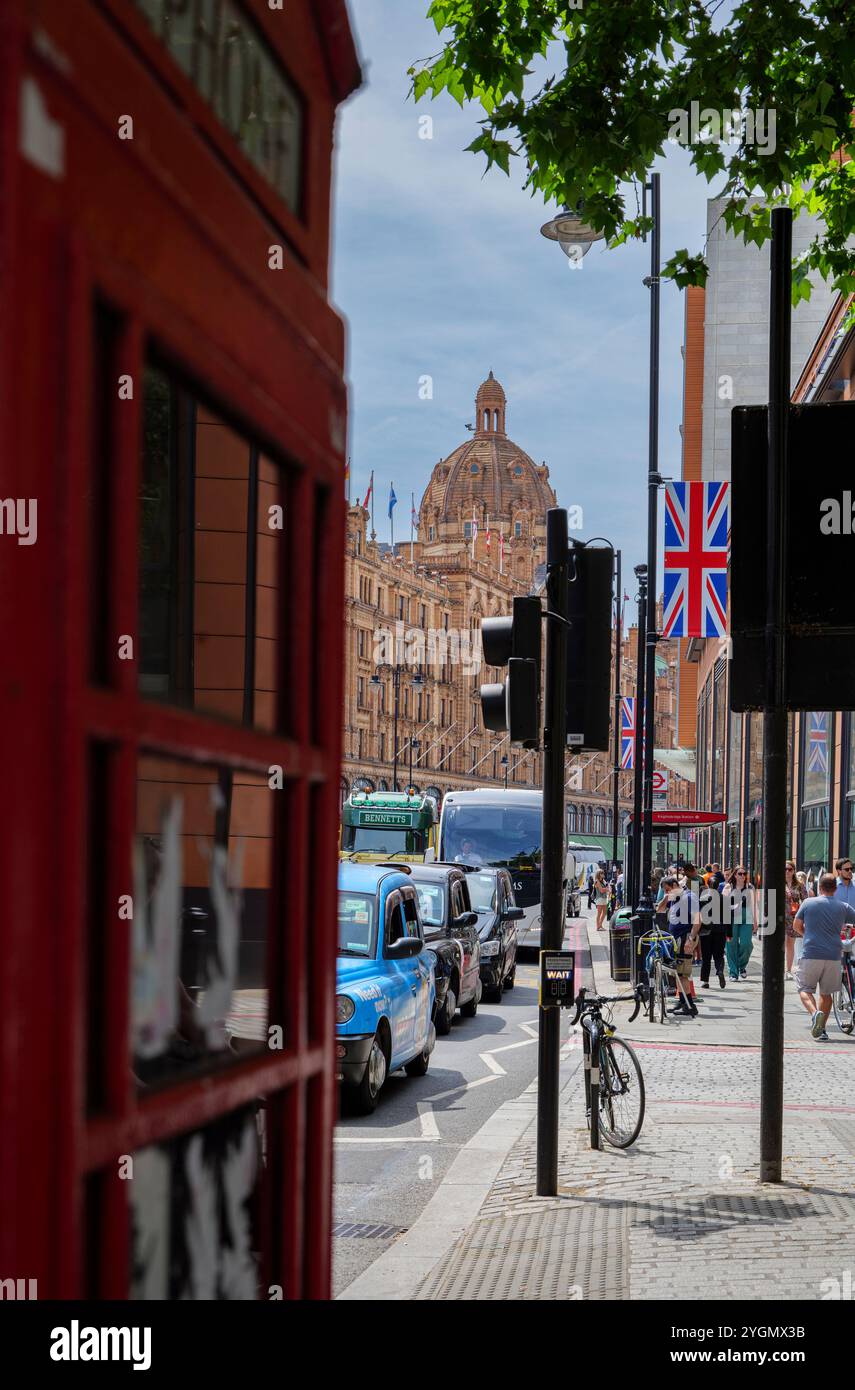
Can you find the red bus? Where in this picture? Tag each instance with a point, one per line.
(172, 436)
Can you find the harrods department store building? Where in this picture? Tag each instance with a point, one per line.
(419, 608)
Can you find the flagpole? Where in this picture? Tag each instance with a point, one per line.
(373, 532)
(392, 519)
(412, 522)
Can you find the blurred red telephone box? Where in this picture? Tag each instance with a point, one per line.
(172, 433)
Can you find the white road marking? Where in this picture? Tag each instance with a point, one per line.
(427, 1119)
(509, 1047)
(489, 1060)
(403, 1139)
(529, 1028)
(459, 1090)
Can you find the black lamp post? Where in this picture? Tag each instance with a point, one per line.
(504, 761)
(415, 744)
(396, 685)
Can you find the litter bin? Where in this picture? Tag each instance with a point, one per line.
(620, 945)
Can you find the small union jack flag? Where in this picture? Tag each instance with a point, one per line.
(696, 525)
(627, 732)
(818, 743)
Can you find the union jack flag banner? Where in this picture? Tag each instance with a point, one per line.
(696, 526)
(627, 732)
(818, 743)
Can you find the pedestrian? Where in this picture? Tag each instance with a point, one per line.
(590, 889)
(684, 924)
(717, 877)
(619, 888)
(713, 932)
(845, 890)
(741, 901)
(820, 921)
(601, 897)
(795, 897)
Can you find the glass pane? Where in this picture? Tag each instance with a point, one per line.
(755, 765)
(734, 766)
(202, 877)
(718, 748)
(194, 1213)
(209, 582)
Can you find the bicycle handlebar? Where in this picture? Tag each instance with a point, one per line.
(584, 1002)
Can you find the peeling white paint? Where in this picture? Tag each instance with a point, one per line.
(157, 940)
(41, 138)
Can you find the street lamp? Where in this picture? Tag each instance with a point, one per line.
(504, 761)
(395, 670)
(575, 237)
(573, 234)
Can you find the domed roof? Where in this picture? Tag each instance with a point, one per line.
(490, 392)
(489, 469)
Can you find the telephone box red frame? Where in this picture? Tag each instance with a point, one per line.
(174, 231)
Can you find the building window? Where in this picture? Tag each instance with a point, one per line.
(360, 692)
(430, 533)
(849, 726)
(381, 747)
(467, 530)
(719, 699)
(816, 781)
(734, 769)
(517, 530)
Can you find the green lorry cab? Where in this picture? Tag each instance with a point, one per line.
(387, 825)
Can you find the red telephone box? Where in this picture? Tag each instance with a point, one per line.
(172, 433)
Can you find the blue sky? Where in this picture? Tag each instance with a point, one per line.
(441, 271)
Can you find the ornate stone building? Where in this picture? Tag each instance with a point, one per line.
(413, 620)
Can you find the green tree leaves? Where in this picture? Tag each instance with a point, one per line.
(584, 92)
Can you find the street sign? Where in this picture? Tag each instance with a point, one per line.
(660, 783)
(557, 979)
(819, 651)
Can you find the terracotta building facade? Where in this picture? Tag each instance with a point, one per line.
(412, 632)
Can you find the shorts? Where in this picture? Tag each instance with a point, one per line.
(822, 975)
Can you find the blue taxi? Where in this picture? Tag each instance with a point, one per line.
(385, 985)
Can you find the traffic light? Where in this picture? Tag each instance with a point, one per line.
(589, 648)
(514, 706)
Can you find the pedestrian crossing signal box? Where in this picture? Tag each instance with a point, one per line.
(557, 979)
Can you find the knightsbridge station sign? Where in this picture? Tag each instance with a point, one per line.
(233, 68)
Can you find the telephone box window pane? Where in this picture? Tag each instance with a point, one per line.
(269, 570)
(235, 70)
(212, 540)
(202, 882)
(194, 1213)
(221, 488)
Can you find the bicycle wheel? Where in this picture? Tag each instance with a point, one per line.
(844, 1008)
(621, 1093)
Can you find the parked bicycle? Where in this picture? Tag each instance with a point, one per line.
(614, 1085)
(660, 966)
(844, 998)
